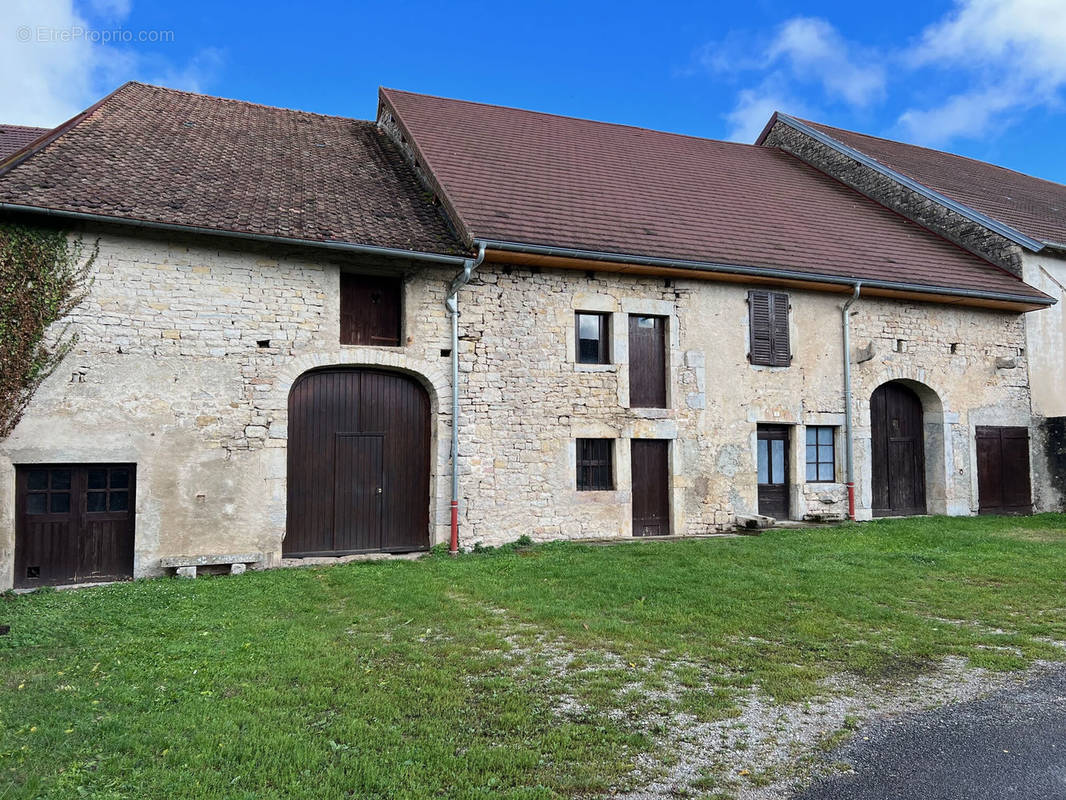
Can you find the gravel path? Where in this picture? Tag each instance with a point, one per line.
(775, 751)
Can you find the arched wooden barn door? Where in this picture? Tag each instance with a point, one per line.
(898, 450)
(358, 463)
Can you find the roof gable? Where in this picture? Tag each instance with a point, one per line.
(520, 176)
(1032, 206)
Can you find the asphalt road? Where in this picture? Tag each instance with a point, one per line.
(1011, 744)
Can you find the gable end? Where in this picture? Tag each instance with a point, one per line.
(893, 194)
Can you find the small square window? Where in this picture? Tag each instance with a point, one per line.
(595, 471)
(98, 479)
(37, 479)
(120, 478)
(592, 340)
(119, 501)
(61, 479)
(821, 454)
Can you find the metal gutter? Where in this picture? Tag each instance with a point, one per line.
(452, 304)
(764, 272)
(973, 215)
(344, 247)
(849, 435)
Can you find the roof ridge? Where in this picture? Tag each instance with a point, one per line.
(655, 131)
(824, 127)
(235, 101)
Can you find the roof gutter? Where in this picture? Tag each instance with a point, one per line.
(337, 246)
(973, 215)
(763, 272)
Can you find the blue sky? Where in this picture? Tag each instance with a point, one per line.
(983, 78)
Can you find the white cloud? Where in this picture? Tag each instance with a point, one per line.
(49, 72)
(42, 83)
(1014, 53)
(816, 51)
(754, 107)
(802, 51)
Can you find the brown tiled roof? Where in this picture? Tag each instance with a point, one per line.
(152, 154)
(521, 176)
(1032, 206)
(14, 137)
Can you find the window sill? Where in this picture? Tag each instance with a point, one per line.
(595, 367)
(652, 413)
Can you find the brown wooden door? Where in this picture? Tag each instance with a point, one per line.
(898, 451)
(74, 523)
(772, 441)
(1003, 470)
(651, 480)
(647, 362)
(358, 463)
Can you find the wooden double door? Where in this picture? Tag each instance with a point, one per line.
(358, 463)
(1003, 485)
(897, 433)
(74, 523)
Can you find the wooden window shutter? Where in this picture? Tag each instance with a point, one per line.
(768, 322)
(780, 345)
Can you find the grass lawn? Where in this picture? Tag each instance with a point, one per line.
(517, 673)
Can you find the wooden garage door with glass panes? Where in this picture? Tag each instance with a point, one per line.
(74, 523)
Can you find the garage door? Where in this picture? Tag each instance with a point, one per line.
(1003, 470)
(358, 463)
(74, 523)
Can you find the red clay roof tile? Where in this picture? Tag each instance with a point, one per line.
(14, 137)
(159, 155)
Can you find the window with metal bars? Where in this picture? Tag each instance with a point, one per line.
(595, 471)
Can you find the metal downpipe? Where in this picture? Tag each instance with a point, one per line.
(452, 304)
(849, 436)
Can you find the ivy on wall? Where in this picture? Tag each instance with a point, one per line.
(43, 276)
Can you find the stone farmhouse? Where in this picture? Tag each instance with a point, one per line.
(318, 336)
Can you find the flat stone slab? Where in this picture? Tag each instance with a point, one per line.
(173, 562)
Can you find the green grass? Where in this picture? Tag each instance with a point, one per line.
(522, 673)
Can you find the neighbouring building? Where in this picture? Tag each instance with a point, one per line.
(648, 340)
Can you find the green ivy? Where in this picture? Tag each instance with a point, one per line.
(44, 275)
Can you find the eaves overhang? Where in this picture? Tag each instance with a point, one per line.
(576, 258)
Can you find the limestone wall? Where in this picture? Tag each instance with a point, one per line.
(187, 353)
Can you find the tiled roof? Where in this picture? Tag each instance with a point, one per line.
(1032, 206)
(152, 154)
(533, 178)
(14, 137)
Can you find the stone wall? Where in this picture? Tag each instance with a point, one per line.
(185, 357)
(188, 351)
(885, 190)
